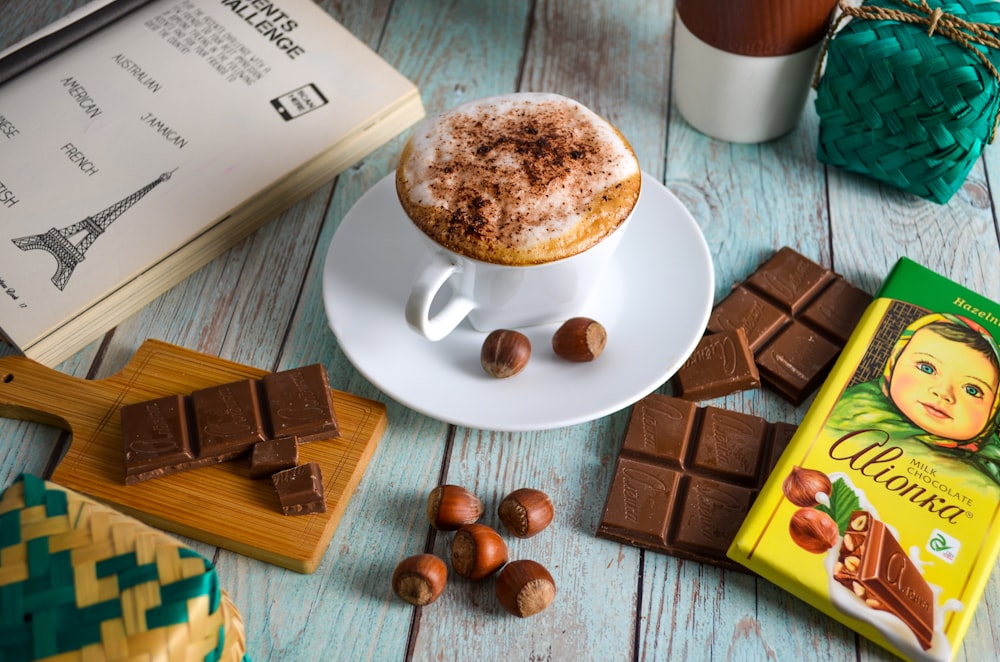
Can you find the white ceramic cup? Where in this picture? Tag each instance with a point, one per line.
(520, 200)
(452, 287)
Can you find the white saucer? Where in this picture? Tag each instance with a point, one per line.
(654, 305)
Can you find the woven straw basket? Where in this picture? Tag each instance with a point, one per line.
(911, 93)
(81, 581)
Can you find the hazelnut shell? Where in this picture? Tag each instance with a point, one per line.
(505, 353)
(477, 551)
(525, 588)
(579, 339)
(450, 507)
(526, 512)
(419, 579)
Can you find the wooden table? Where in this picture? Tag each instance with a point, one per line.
(260, 304)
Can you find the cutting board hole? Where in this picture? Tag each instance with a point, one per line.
(8, 378)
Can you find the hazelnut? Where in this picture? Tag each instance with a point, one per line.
(525, 512)
(579, 339)
(525, 588)
(477, 552)
(505, 353)
(802, 485)
(813, 530)
(419, 579)
(452, 506)
(859, 523)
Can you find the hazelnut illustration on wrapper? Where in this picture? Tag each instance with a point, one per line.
(801, 486)
(813, 530)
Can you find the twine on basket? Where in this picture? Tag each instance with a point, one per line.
(962, 32)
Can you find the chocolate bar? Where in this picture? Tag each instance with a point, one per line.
(797, 316)
(873, 565)
(273, 455)
(300, 490)
(687, 476)
(221, 423)
(300, 404)
(721, 364)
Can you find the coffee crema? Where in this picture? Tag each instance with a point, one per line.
(518, 179)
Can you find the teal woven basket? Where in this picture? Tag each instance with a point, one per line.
(911, 92)
(80, 581)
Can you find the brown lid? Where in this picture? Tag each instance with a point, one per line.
(758, 27)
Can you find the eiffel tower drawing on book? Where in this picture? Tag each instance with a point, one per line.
(60, 243)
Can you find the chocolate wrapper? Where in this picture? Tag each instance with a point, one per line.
(884, 510)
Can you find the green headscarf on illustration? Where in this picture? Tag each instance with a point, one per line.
(940, 386)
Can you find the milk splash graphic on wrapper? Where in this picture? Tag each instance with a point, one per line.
(889, 625)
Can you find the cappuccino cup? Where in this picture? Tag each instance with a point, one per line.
(520, 201)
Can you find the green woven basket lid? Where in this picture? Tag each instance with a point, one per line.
(82, 581)
(905, 107)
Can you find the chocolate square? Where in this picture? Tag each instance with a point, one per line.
(721, 364)
(299, 404)
(156, 438)
(227, 419)
(300, 490)
(270, 456)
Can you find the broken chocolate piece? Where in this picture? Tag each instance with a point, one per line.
(273, 455)
(156, 437)
(220, 423)
(687, 476)
(300, 489)
(872, 564)
(721, 364)
(299, 404)
(797, 316)
(227, 419)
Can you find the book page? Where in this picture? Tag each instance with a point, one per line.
(131, 144)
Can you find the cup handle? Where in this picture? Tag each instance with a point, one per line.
(425, 289)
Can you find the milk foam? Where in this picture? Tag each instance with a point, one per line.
(529, 167)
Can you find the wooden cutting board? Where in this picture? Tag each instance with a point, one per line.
(219, 504)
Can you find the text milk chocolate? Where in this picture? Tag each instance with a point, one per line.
(883, 511)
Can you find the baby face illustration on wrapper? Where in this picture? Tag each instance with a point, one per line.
(943, 376)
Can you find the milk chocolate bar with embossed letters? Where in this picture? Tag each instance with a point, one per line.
(686, 477)
(797, 315)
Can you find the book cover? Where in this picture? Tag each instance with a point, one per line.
(130, 159)
(884, 511)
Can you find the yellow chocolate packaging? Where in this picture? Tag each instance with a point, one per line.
(884, 511)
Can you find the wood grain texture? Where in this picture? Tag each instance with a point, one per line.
(261, 305)
(219, 504)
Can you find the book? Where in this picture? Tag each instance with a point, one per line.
(884, 510)
(135, 155)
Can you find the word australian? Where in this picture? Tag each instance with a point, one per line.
(269, 20)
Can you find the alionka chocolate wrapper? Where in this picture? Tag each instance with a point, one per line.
(742, 68)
